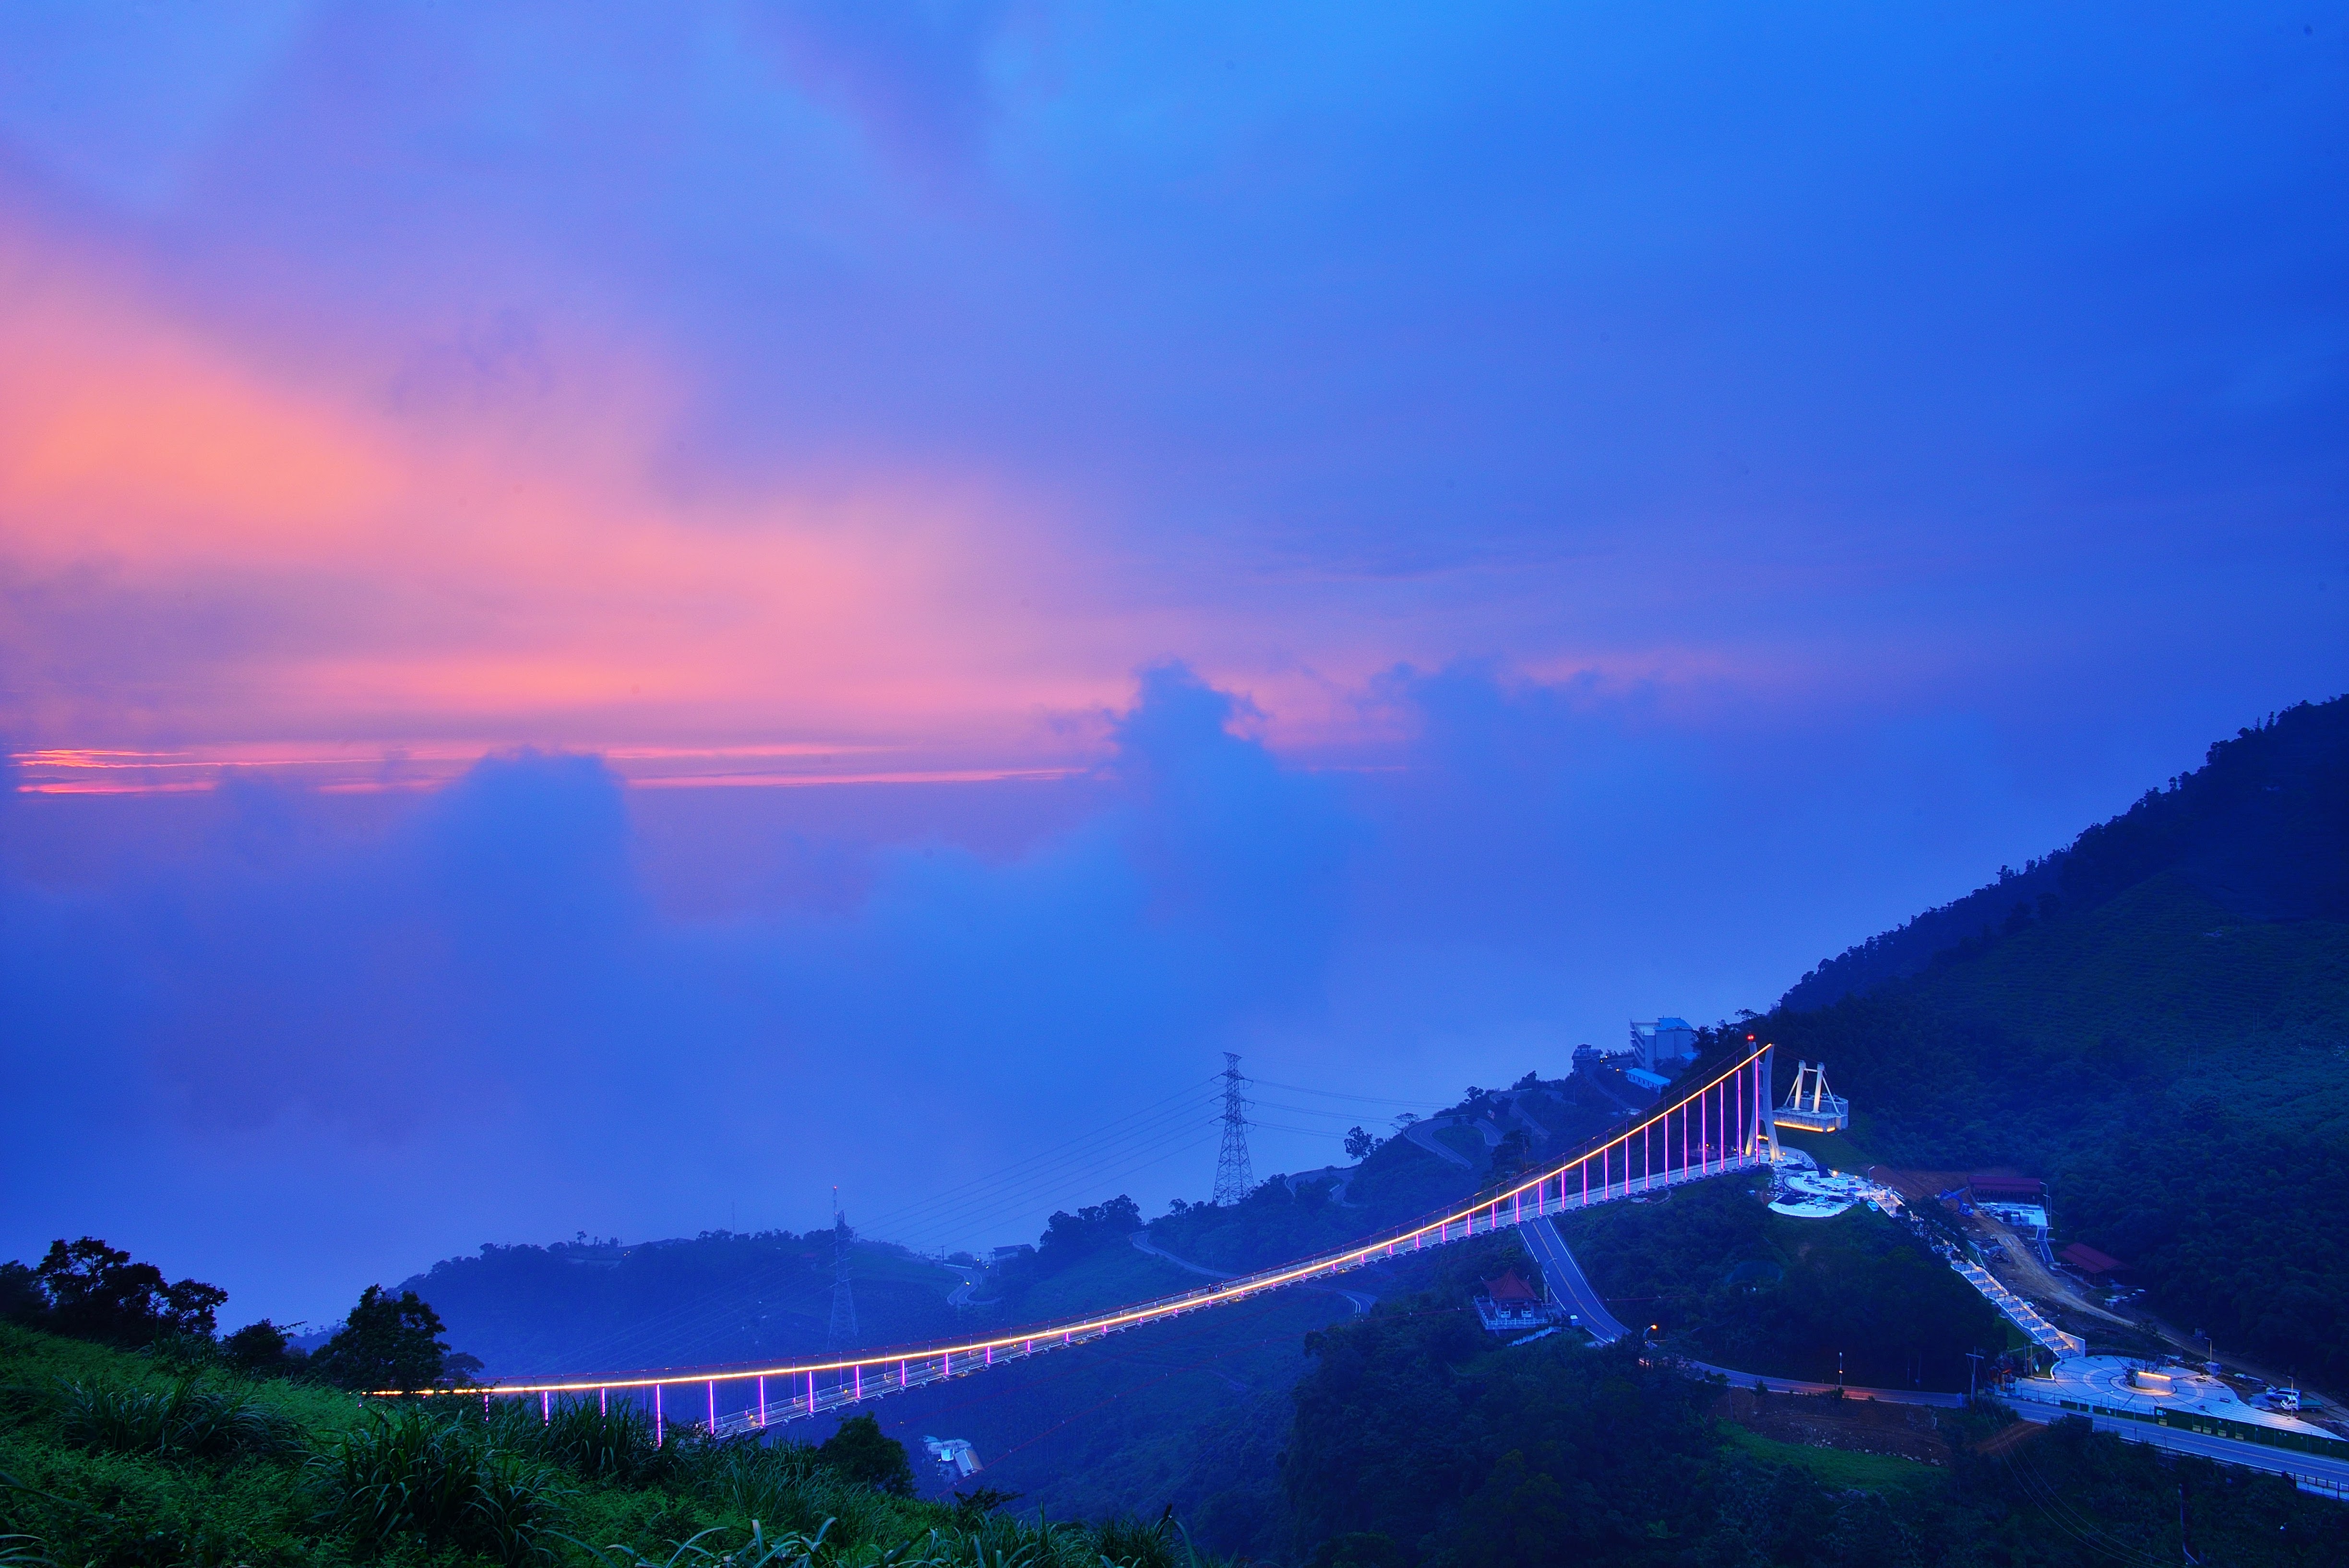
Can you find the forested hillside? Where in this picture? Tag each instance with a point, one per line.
(1419, 1442)
(2162, 1031)
(2262, 831)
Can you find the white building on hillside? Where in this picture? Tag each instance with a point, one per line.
(1663, 1044)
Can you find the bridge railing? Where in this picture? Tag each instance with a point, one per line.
(1722, 1127)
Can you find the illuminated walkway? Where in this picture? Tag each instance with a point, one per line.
(1720, 1128)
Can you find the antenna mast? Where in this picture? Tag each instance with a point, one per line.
(842, 1332)
(1235, 1180)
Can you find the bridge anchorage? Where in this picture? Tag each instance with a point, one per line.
(1723, 1127)
(1809, 1107)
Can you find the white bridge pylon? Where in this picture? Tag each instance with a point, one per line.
(1723, 1127)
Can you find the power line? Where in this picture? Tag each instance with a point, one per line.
(1341, 1115)
(1041, 1172)
(1047, 1188)
(1105, 1129)
(1334, 1094)
(1163, 1152)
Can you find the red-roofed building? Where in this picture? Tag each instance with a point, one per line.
(1510, 1287)
(2092, 1262)
(1509, 1304)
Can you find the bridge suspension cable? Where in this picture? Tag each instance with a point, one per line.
(1157, 1131)
(1722, 1126)
(1169, 1127)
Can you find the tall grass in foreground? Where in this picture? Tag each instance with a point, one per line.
(116, 1458)
(616, 1446)
(404, 1471)
(993, 1543)
(182, 1420)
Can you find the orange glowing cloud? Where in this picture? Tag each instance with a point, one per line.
(256, 548)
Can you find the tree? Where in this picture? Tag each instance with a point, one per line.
(92, 1291)
(262, 1350)
(20, 1295)
(862, 1452)
(1068, 1237)
(392, 1342)
(1359, 1144)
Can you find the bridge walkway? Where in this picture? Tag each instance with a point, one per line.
(1719, 1128)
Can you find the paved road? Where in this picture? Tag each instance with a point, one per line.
(2328, 1472)
(1141, 1239)
(2327, 1475)
(1567, 1282)
(2319, 1472)
(1851, 1391)
(1423, 1134)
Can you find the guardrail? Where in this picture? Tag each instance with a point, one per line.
(1720, 1130)
(2199, 1421)
(2019, 1312)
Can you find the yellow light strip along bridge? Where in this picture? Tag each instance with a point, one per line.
(1723, 1126)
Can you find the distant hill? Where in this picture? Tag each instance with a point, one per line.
(2156, 1020)
(1189, 1412)
(2260, 831)
(599, 1306)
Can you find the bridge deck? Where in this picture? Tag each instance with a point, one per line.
(1717, 1130)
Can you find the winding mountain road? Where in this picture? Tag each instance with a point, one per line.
(2314, 1473)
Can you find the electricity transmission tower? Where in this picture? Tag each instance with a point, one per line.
(1234, 1178)
(843, 1334)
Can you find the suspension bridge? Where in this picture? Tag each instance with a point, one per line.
(1720, 1128)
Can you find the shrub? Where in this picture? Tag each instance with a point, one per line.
(861, 1451)
(262, 1350)
(1124, 1539)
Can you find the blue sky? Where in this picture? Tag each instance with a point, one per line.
(1393, 539)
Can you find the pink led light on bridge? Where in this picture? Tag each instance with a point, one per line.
(1733, 1094)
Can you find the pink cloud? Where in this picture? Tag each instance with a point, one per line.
(509, 575)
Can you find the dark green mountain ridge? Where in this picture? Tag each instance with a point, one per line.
(2262, 831)
(2157, 1020)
